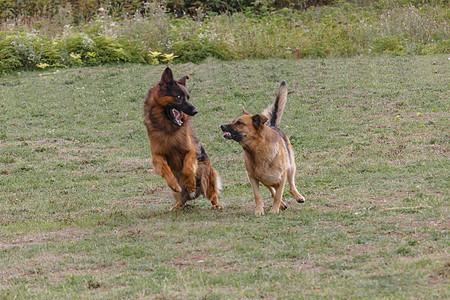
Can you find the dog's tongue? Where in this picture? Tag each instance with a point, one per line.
(177, 115)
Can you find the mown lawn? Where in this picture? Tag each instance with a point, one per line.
(82, 214)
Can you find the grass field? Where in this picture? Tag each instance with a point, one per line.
(82, 214)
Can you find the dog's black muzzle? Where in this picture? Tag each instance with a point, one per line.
(187, 108)
(230, 133)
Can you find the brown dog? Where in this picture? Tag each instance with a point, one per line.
(177, 154)
(268, 153)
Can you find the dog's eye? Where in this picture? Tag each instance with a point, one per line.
(239, 123)
(179, 97)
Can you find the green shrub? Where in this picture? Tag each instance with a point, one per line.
(442, 46)
(78, 49)
(81, 49)
(27, 50)
(109, 50)
(193, 50)
(9, 60)
(135, 50)
(389, 45)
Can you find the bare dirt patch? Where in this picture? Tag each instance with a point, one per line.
(300, 265)
(43, 262)
(441, 275)
(25, 241)
(205, 261)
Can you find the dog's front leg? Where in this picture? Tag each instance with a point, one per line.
(259, 210)
(179, 201)
(189, 171)
(163, 169)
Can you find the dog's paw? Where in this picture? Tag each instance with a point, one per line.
(283, 206)
(216, 206)
(175, 187)
(300, 199)
(177, 206)
(274, 210)
(259, 211)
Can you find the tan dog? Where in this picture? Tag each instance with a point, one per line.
(268, 153)
(177, 154)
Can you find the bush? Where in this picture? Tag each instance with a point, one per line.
(22, 50)
(9, 60)
(81, 49)
(27, 50)
(389, 45)
(442, 46)
(194, 50)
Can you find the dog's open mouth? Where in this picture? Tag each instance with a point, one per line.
(227, 135)
(176, 116)
(230, 133)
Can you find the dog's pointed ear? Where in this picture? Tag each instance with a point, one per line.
(244, 111)
(259, 120)
(167, 76)
(182, 80)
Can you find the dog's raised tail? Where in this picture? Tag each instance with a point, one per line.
(275, 111)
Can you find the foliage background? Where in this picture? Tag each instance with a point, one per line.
(43, 34)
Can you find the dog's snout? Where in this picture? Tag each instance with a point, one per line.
(189, 109)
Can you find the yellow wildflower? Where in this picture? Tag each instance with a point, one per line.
(155, 53)
(169, 57)
(75, 56)
(42, 66)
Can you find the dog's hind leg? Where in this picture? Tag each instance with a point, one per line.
(283, 204)
(292, 189)
(211, 186)
(277, 202)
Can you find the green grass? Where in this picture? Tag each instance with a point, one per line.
(82, 214)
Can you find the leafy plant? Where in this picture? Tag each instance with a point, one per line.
(389, 45)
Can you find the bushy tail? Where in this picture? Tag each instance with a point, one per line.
(275, 111)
